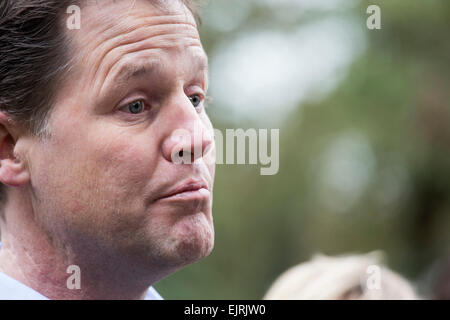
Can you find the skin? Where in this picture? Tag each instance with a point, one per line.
(86, 193)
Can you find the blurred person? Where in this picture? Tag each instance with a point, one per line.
(352, 277)
(89, 185)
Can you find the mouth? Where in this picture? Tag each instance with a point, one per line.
(191, 190)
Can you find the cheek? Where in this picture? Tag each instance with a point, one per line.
(96, 172)
(125, 165)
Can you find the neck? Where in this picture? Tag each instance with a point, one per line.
(30, 255)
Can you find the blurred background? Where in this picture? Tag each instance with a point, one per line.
(364, 141)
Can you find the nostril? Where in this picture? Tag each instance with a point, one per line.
(180, 154)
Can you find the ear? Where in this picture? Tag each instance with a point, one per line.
(13, 171)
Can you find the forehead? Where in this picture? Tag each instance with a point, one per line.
(119, 32)
(114, 17)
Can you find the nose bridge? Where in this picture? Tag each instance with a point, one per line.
(187, 139)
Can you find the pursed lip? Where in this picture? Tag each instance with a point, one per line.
(188, 187)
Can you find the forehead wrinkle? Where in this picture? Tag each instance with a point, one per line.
(152, 45)
(127, 68)
(158, 40)
(165, 42)
(125, 34)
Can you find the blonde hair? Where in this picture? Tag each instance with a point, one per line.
(343, 277)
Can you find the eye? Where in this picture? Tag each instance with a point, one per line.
(135, 107)
(196, 99)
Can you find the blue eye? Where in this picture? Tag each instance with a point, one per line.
(196, 99)
(135, 107)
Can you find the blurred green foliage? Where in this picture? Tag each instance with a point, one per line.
(391, 110)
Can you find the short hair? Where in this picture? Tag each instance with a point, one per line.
(34, 58)
(340, 278)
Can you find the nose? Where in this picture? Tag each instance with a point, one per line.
(189, 138)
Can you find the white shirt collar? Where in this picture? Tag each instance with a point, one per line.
(11, 289)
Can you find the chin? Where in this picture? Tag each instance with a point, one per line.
(192, 239)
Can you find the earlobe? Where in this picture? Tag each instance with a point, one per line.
(13, 171)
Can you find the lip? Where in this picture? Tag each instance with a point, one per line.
(189, 190)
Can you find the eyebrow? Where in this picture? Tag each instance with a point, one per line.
(132, 70)
(129, 71)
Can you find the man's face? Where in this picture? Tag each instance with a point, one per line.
(138, 76)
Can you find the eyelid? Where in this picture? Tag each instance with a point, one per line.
(195, 89)
(132, 98)
(202, 96)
